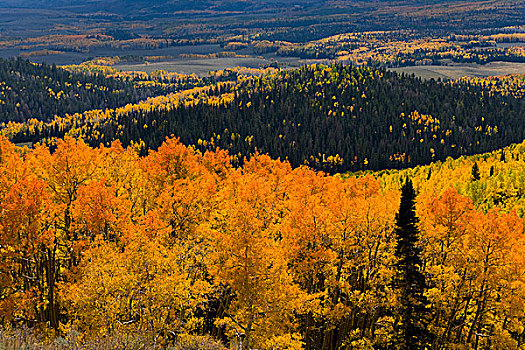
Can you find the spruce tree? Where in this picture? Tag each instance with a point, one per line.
(475, 172)
(412, 312)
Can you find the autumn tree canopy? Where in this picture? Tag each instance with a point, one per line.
(180, 244)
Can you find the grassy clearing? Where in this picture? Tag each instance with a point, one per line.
(461, 70)
(205, 65)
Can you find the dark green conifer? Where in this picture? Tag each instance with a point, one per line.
(475, 172)
(412, 312)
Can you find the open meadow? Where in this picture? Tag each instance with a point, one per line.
(456, 71)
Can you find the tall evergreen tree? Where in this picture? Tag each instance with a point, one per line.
(412, 314)
(475, 172)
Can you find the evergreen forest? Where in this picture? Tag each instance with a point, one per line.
(333, 118)
(41, 91)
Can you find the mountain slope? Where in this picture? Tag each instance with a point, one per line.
(42, 91)
(336, 118)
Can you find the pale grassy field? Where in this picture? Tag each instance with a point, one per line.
(205, 65)
(197, 66)
(460, 70)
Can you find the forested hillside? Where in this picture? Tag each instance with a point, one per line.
(42, 91)
(102, 246)
(335, 118)
(493, 179)
(256, 174)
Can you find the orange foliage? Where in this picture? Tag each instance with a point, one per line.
(105, 241)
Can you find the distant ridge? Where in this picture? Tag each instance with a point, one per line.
(146, 6)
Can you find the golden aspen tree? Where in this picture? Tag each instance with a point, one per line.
(249, 259)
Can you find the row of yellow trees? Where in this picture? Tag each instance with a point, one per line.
(264, 256)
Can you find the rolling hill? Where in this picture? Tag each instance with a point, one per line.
(334, 118)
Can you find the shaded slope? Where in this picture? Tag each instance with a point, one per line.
(336, 119)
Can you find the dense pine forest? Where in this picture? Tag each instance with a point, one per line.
(42, 91)
(334, 118)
